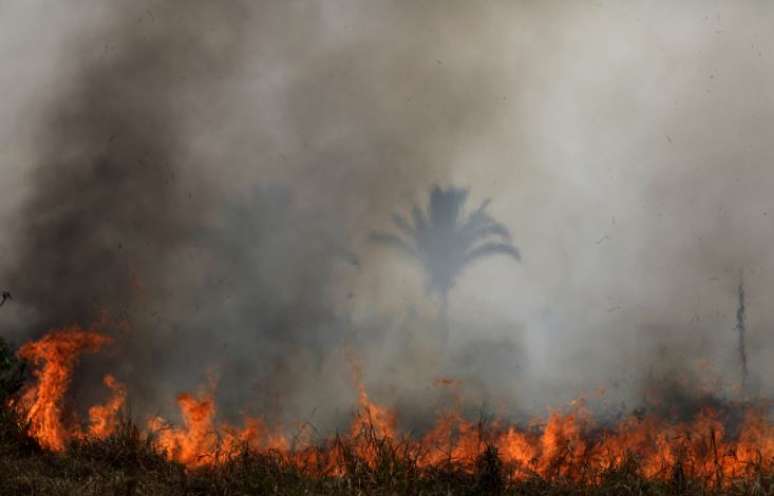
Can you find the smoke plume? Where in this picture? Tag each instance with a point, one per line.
(199, 180)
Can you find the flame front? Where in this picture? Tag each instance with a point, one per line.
(568, 445)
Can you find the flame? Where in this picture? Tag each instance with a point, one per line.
(201, 441)
(103, 418)
(41, 403)
(568, 445)
(195, 443)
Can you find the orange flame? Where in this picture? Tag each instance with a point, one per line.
(103, 418)
(201, 441)
(41, 403)
(196, 442)
(568, 445)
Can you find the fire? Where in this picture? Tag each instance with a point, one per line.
(201, 441)
(195, 443)
(103, 418)
(566, 444)
(41, 403)
(372, 417)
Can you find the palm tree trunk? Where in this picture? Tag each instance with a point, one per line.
(741, 329)
(444, 317)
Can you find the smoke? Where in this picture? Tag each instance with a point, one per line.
(199, 177)
(637, 191)
(199, 180)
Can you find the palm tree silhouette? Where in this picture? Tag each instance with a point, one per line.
(445, 243)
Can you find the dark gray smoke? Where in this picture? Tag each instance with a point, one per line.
(106, 211)
(198, 180)
(205, 175)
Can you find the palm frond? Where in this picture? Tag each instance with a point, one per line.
(403, 225)
(492, 248)
(480, 224)
(393, 241)
(421, 227)
(480, 209)
(493, 229)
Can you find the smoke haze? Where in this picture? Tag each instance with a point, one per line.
(200, 180)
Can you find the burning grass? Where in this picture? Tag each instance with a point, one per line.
(567, 453)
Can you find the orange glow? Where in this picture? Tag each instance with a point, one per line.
(195, 443)
(201, 441)
(566, 444)
(41, 403)
(103, 418)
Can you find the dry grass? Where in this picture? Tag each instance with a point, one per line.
(127, 464)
